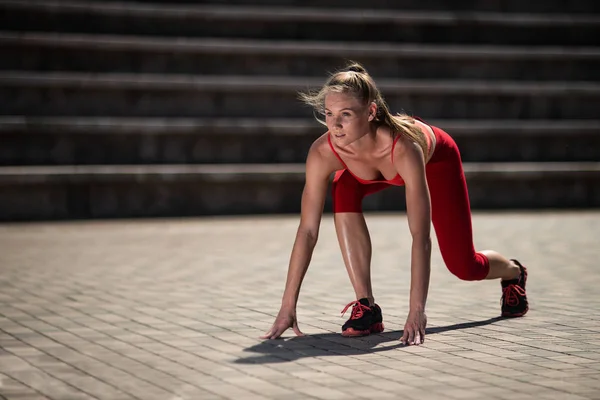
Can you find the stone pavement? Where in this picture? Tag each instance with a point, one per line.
(172, 310)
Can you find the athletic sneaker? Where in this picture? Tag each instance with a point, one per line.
(364, 319)
(514, 298)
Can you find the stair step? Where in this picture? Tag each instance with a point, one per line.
(71, 192)
(62, 94)
(391, 12)
(507, 6)
(282, 84)
(213, 56)
(284, 126)
(316, 23)
(83, 141)
(81, 41)
(271, 172)
(157, 173)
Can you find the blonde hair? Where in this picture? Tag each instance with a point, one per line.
(355, 80)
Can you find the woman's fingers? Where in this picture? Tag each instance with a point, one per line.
(276, 331)
(404, 339)
(268, 334)
(418, 334)
(408, 336)
(284, 321)
(413, 335)
(417, 340)
(279, 331)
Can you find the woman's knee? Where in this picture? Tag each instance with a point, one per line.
(464, 274)
(472, 269)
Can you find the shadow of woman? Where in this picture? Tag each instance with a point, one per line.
(333, 344)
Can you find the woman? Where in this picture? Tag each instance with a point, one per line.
(370, 149)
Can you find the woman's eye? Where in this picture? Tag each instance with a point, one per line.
(346, 114)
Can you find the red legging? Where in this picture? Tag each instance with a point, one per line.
(450, 209)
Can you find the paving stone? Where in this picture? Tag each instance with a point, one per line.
(177, 305)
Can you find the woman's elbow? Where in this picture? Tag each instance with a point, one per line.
(311, 234)
(422, 237)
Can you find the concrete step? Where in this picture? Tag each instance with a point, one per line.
(63, 94)
(84, 141)
(508, 6)
(372, 24)
(210, 56)
(71, 192)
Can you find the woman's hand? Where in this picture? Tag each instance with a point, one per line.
(414, 329)
(285, 319)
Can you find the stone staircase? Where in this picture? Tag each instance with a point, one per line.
(134, 109)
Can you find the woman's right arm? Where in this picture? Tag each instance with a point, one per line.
(313, 200)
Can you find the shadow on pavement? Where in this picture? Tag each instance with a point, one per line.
(333, 344)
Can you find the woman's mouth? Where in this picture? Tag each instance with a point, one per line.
(339, 135)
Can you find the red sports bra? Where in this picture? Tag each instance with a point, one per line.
(396, 181)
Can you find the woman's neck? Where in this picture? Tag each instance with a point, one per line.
(368, 143)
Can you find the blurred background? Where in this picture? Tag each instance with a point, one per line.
(149, 108)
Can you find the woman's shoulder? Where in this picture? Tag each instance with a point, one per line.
(321, 145)
(321, 151)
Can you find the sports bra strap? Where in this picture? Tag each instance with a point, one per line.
(335, 152)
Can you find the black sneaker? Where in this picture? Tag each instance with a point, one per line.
(514, 298)
(364, 319)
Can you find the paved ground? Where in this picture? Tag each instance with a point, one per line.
(172, 310)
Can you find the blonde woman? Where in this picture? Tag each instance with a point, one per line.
(369, 149)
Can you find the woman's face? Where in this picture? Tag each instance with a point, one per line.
(347, 119)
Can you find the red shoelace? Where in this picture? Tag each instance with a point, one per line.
(511, 293)
(358, 309)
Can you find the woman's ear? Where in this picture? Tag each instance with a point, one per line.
(372, 111)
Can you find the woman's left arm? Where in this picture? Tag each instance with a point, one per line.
(410, 164)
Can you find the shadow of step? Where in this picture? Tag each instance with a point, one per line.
(69, 192)
(209, 56)
(63, 94)
(375, 24)
(88, 141)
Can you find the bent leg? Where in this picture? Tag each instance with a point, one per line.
(451, 217)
